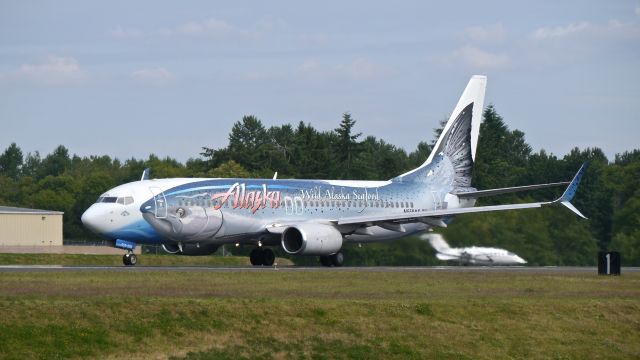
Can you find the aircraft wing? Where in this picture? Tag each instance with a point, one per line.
(493, 192)
(424, 216)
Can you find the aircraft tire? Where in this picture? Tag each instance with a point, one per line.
(325, 261)
(126, 259)
(337, 259)
(255, 257)
(133, 259)
(268, 257)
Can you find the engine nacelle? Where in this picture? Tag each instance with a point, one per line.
(190, 249)
(311, 239)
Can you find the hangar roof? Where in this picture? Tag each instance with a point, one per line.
(17, 210)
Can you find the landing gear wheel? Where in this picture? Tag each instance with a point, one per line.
(129, 259)
(268, 257)
(325, 261)
(337, 259)
(256, 257)
(262, 256)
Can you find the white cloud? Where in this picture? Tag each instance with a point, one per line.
(560, 31)
(621, 29)
(613, 28)
(211, 26)
(362, 69)
(491, 33)
(313, 39)
(358, 69)
(220, 29)
(153, 76)
(54, 70)
(474, 57)
(121, 32)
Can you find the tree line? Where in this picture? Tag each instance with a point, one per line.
(609, 194)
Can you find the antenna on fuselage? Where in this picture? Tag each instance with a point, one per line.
(145, 174)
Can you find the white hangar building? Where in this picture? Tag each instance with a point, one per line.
(29, 227)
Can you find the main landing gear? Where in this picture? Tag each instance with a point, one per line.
(336, 259)
(130, 259)
(262, 256)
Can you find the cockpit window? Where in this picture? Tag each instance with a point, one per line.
(123, 200)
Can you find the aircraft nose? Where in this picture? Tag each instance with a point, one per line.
(92, 219)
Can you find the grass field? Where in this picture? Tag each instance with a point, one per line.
(319, 314)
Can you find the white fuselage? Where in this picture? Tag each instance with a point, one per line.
(481, 256)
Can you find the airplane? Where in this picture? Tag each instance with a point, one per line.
(195, 216)
(473, 255)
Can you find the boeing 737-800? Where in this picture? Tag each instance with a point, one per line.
(194, 216)
(473, 255)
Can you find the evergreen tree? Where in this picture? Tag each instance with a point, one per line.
(347, 148)
(55, 163)
(419, 155)
(501, 155)
(246, 143)
(11, 162)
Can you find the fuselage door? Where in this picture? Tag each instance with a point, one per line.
(160, 202)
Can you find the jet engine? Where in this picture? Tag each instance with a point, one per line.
(196, 249)
(311, 239)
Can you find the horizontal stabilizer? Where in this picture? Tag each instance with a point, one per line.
(437, 241)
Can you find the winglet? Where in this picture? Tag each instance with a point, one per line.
(145, 174)
(571, 190)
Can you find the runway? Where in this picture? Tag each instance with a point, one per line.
(493, 269)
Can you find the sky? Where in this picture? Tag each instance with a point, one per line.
(131, 78)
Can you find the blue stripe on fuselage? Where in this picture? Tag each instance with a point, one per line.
(139, 232)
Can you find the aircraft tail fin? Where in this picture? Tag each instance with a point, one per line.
(437, 241)
(464, 122)
(456, 147)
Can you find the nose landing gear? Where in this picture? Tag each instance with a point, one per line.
(130, 259)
